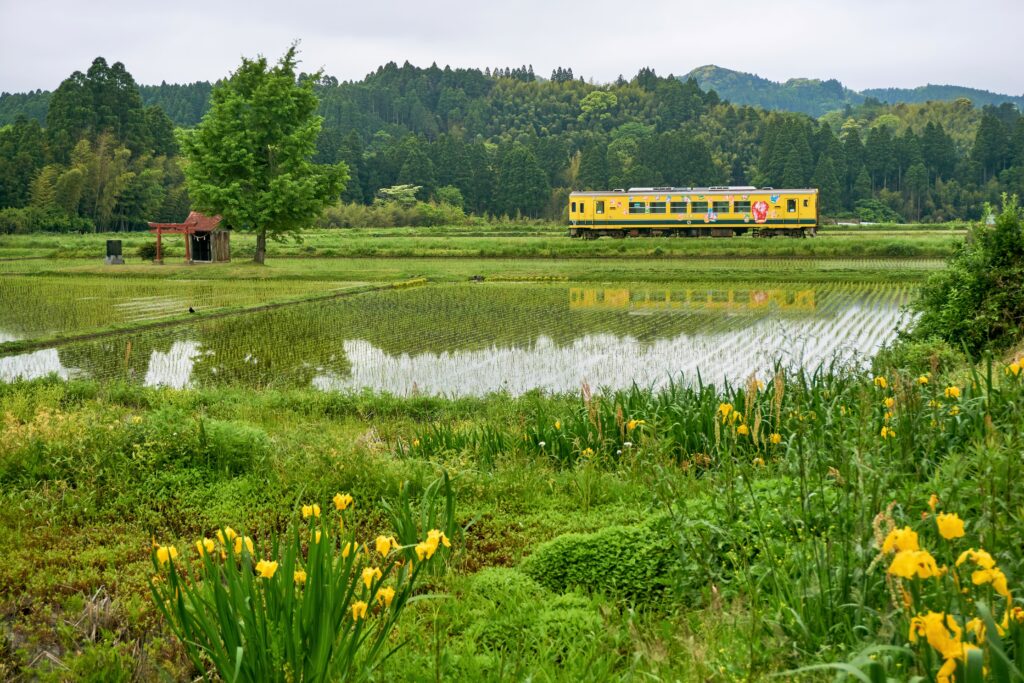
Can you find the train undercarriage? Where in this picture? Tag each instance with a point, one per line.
(620, 233)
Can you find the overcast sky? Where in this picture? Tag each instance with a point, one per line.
(863, 43)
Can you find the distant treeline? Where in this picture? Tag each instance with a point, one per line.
(505, 142)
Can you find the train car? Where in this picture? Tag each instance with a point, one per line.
(694, 212)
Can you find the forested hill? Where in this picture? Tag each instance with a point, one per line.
(104, 153)
(815, 97)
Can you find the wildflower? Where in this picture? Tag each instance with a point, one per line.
(542, 444)
(922, 380)
(427, 548)
(631, 425)
(385, 595)
(266, 569)
(889, 402)
(587, 453)
(759, 462)
(136, 419)
(347, 549)
(950, 525)
(205, 545)
(759, 384)
(941, 631)
(909, 564)
(240, 541)
(900, 539)
(343, 501)
(310, 511)
(724, 409)
(880, 382)
(977, 627)
(166, 553)
(953, 392)
(371, 574)
(358, 610)
(227, 535)
(933, 500)
(887, 416)
(994, 577)
(742, 430)
(978, 557)
(1014, 368)
(558, 424)
(384, 544)
(955, 410)
(299, 576)
(316, 536)
(415, 443)
(627, 444)
(887, 432)
(775, 438)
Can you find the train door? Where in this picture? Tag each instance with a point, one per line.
(585, 210)
(792, 211)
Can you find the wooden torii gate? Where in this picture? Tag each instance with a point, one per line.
(196, 222)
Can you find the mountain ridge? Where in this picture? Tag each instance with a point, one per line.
(816, 97)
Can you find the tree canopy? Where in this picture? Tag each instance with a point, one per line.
(250, 158)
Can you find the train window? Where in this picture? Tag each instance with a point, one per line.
(741, 207)
(805, 202)
(599, 206)
(790, 205)
(677, 207)
(720, 207)
(573, 207)
(581, 207)
(657, 207)
(637, 207)
(699, 207)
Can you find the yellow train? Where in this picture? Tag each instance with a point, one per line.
(693, 212)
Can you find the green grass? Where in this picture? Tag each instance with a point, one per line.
(475, 242)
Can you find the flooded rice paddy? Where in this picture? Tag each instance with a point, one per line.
(474, 338)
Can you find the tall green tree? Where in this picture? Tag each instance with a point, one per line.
(250, 158)
(522, 183)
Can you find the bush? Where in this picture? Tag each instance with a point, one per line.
(874, 211)
(978, 302)
(630, 562)
(146, 251)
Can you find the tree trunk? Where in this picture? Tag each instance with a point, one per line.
(261, 247)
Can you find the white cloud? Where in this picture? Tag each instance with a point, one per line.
(870, 43)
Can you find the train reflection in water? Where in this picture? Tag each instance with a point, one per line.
(691, 299)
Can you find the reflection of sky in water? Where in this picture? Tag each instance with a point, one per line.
(32, 366)
(728, 347)
(606, 360)
(173, 368)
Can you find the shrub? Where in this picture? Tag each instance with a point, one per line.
(233, 447)
(630, 562)
(146, 251)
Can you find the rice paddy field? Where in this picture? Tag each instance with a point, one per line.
(555, 462)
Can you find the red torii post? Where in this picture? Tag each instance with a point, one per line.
(196, 222)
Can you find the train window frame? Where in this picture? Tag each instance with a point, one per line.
(805, 203)
(698, 207)
(741, 206)
(582, 208)
(637, 207)
(572, 209)
(599, 206)
(679, 207)
(657, 207)
(790, 206)
(720, 206)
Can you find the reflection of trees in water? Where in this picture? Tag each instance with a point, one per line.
(282, 347)
(123, 357)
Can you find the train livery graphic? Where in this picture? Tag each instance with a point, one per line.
(694, 212)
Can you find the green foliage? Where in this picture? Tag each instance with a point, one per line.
(311, 613)
(250, 157)
(633, 563)
(977, 303)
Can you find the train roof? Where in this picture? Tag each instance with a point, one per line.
(734, 189)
